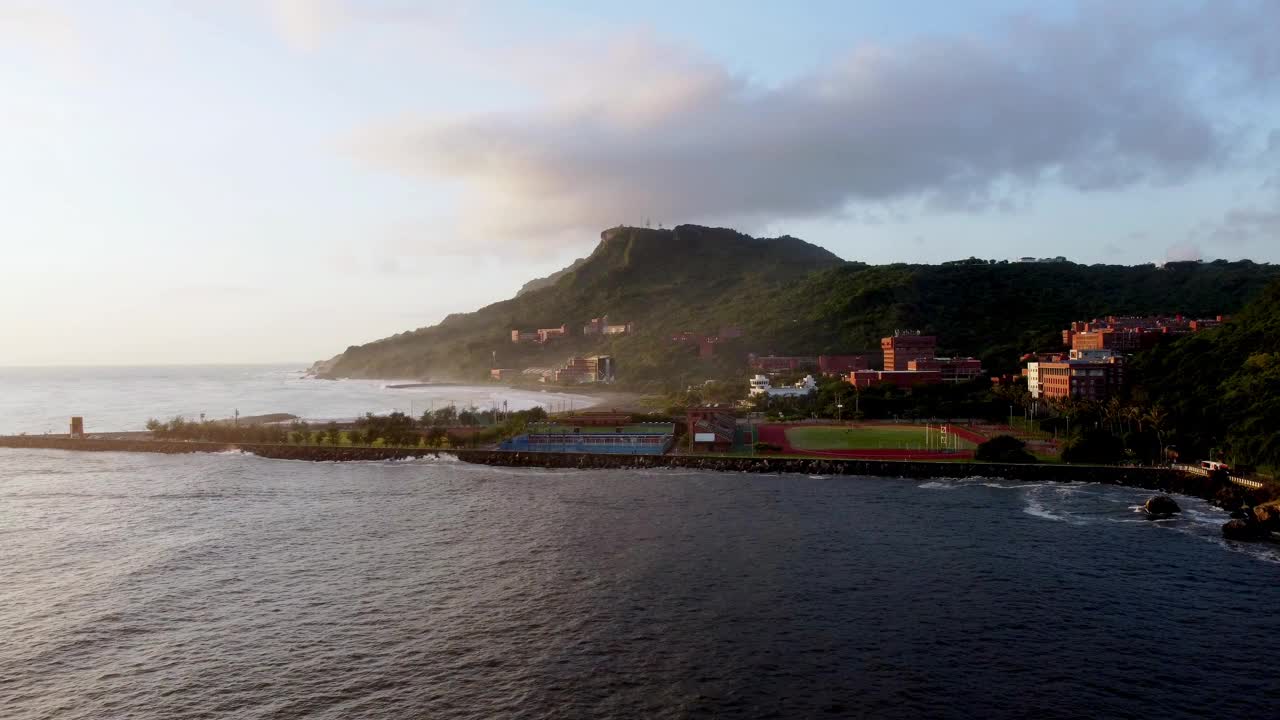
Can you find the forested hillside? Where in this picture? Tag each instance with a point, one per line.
(1221, 388)
(790, 297)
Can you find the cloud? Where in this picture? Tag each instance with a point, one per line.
(1248, 226)
(631, 127)
(308, 25)
(305, 24)
(45, 30)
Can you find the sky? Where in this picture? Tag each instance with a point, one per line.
(222, 181)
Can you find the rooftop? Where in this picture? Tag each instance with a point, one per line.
(650, 428)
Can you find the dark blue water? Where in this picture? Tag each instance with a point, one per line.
(144, 586)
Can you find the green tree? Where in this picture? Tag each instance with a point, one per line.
(1094, 446)
(1004, 449)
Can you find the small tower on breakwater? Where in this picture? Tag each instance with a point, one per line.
(77, 427)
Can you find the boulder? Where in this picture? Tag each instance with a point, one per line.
(1243, 530)
(1268, 516)
(1161, 505)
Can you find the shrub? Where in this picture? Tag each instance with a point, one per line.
(1004, 449)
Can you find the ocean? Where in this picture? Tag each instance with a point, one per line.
(229, 586)
(116, 399)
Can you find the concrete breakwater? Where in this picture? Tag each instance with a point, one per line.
(316, 453)
(1168, 480)
(1165, 479)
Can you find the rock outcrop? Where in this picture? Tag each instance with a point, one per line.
(1244, 530)
(1255, 523)
(1161, 506)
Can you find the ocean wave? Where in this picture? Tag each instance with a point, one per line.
(1035, 508)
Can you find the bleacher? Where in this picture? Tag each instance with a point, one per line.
(633, 439)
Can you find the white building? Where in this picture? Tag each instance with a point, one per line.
(1033, 379)
(760, 385)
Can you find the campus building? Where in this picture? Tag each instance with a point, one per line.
(711, 428)
(842, 364)
(1095, 379)
(596, 368)
(760, 385)
(954, 370)
(781, 363)
(900, 379)
(573, 371)
(904, 346)
(541, 335)
(706, 344)
(601, 368)
(1032, 374)
(1130, 334)
(1036, 362)
(601, 326)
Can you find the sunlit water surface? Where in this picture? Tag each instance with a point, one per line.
(39, 400)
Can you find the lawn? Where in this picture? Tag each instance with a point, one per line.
(867, 437)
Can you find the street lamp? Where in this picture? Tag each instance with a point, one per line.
(839, 412)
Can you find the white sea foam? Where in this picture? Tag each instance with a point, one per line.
(1036, 509)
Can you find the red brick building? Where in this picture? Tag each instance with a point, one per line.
(711, 428)
(706, 344)
(901, 379)
(540, 335)
(1129, 334)
(954, 370)
(1085, 379)
(842, 364)
(906, 345)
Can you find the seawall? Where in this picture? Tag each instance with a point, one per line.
(1161, 479)
(317, 453)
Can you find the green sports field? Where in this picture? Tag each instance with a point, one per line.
(867, 437)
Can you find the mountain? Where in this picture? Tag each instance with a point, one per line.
(548, 281)
(688, 277)
(789, 297)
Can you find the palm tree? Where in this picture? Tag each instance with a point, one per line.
(1157, 418)
(1113, 412)
(1134, 414)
